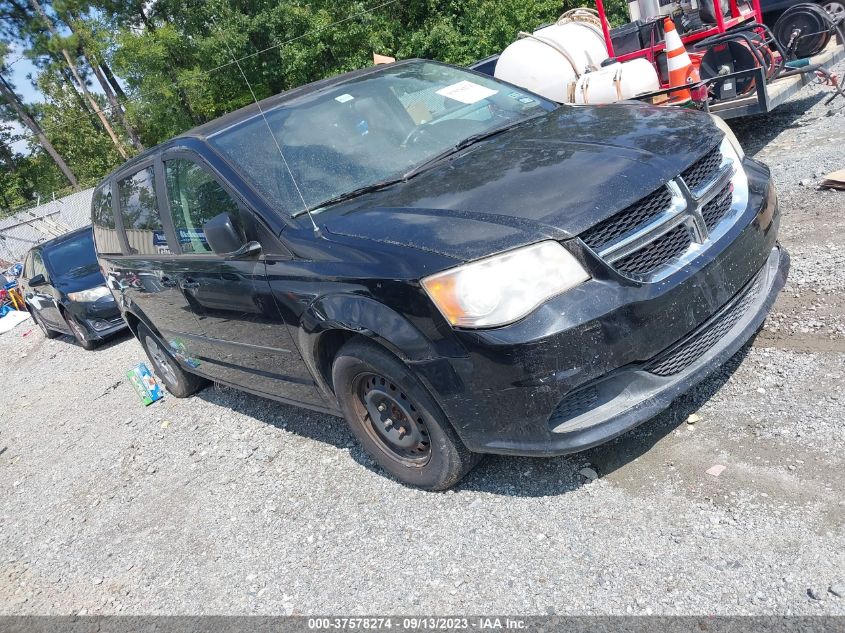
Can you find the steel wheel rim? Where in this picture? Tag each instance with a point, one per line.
(391, 419)
(835, 9)
(160, 360)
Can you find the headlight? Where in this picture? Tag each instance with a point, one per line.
(729, 134)
(504, 288)
(92, 294)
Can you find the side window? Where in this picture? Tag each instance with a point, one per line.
(195, 197)
(38, 267)
(140, 214)
(102, 217)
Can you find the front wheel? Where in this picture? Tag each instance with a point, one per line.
(79, 332)
(396, 420)
(177, 381)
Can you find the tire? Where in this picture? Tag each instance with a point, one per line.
(79, 332)
(48, 333)
(178, 382)
(422, 449)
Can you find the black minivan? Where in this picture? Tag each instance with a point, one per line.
(455, 265)
(65, 292)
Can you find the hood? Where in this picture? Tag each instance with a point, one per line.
(553, 177)
(74, 283)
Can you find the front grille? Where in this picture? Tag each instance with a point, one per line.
(627, 220)
(573, 405)
(703, 169)
(707, 335)
(635, 241)
(653, 255)
(715, 210)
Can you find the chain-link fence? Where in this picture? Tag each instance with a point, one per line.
(26, 228)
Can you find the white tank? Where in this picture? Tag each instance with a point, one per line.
(547, 60)
(614, 83)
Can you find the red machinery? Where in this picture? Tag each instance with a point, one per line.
(748, 13)
(745, 68)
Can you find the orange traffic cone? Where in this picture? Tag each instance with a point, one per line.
(681, 70)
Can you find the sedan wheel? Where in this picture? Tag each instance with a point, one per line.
(79, 333)
(835, 8)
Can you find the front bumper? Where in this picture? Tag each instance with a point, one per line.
(100, 319)
(103, 328)
(584, 369)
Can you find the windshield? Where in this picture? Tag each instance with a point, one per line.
(369, 130)
(73, 257)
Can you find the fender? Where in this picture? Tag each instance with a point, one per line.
(130, 308)
(360, 315)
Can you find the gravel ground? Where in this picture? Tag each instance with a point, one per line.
(227, 503)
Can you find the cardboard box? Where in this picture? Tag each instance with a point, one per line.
(145, 384)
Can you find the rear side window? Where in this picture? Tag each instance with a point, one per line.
(195, 197)
(105, 233)
(140, 214)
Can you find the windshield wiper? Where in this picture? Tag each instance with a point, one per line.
(348, 195)
(469, 140)
(382, 184)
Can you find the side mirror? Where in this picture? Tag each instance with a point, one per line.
(224, 238)
(37, 280)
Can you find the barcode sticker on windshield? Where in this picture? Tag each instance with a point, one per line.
(466, 92)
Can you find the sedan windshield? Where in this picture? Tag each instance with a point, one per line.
(367, 131)
(72, 257)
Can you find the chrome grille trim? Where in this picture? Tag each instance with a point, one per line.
(686, 209)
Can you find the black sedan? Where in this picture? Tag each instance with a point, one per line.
(453, 264)
(65, 291)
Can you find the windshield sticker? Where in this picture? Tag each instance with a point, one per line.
(466, 92)
(515, 95)
(344, 98)
(527, 100)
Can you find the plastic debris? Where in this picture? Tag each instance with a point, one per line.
(716, 470)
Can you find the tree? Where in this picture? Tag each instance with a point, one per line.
(84, 32)
(48, 23)
(11, 99)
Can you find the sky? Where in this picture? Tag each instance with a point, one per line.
(23, 86)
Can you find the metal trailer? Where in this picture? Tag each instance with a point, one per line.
(768, 92)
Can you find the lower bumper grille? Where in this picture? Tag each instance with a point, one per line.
(707, 335)
(574, 405)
